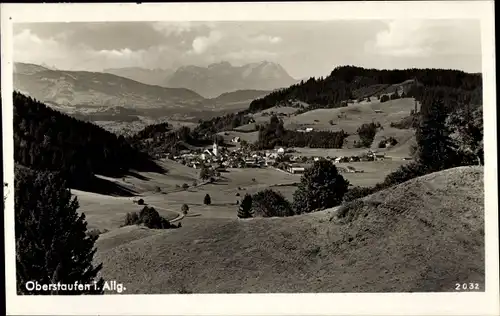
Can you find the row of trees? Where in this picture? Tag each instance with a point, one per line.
(274, 134)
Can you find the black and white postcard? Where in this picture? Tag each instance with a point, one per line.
(307, 158)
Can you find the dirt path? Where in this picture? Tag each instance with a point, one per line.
(179, 214)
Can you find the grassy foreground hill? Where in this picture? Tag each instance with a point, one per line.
(422, 235)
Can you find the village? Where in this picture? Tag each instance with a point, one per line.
(219, 158)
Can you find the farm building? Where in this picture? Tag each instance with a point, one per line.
(295, 170)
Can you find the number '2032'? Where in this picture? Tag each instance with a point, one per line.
(466, 286)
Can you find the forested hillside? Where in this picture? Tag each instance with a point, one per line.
(456, 89)
(45, 139)
(339, 86)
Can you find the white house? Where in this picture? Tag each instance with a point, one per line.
(281, 151)
(294, 170)
(309, 129)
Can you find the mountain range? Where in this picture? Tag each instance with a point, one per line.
(156, 77)
(99, 95)
(94, 89)
(215, 79)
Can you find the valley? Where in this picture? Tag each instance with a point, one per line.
(377, 218)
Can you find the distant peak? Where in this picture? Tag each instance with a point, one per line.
(220, 64)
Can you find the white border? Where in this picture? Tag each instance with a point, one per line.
(261, 304)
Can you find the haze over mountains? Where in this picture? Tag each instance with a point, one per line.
(154, 77)
(215, 79)
(100, 96)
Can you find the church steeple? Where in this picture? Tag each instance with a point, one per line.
(215, 149)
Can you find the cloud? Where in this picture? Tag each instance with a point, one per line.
(303, 48)
(202, 43)
(266, 39)
(426, 38)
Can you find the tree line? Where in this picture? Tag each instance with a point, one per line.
(329, 92)
(274, 134)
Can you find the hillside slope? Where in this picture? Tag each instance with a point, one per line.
(420, 236)
(94, 89)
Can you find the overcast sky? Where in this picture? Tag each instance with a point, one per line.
(303, 48)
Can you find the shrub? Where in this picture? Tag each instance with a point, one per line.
(320, 187)
(184, 209)
(206, 173)
(51, 241)
(131, 219)
(245, 209)
(403, 174)
(237, 194)
(391, 141)
(140, 202)
(152, 219)
(185, 186)
(96, 232)
(269, 203)
(357, 192)
(408, 122)
(149, 217)
(158, 189)
(207, 200)
(394, 96)
(384, 98)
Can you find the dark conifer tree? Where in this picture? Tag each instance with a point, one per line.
(207, 200)
(51, 241)
(245, 209)
(435, 147)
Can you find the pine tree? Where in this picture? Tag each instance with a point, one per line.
(435, 147)
(320, 187)
(245, 209)
(207, 200)
(51, 242)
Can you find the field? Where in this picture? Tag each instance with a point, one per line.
(348, 119)
(418, 236)
(351, 117)
(433, 236)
